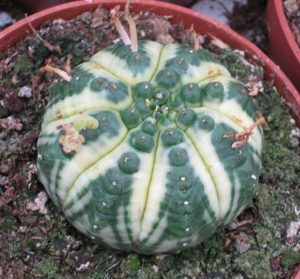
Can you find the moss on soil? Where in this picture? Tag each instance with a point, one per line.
(23, 66)
(47, 268)
(290, 257)
(37, 246)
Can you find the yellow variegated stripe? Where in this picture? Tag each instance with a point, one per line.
(119, 67)
(206, 179)
(139, 189)
(233, 110)
(204, 71)
(234, 201)
(88, 99)
(83, 159)
(202, 141)
(156, 234)
(139, 193)
(194, 73)
(167, 52)
(81, 223)
(156, 192)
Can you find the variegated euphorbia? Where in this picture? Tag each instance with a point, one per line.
(150, 151)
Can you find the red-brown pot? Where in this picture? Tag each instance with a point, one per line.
(203, 24)
(296, 274)
(284, 49)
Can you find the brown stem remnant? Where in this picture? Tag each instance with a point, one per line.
(115, 14)
(132, 28)
(50, 69)
(130, 39)
(243, 137)
(254, 85)
(254, 92)
(195, 38)
(67, 66)
(218, 43)
(49, 46)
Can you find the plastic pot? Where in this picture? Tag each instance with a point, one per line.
(203, 24)
(284, 49)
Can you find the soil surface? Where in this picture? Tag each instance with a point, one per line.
(292, 11)
(263, 242)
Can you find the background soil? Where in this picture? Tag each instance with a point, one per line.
(292, 11)
(262, 243)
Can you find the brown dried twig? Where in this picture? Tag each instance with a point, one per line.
(195, 38)
(115, 16)
(67, 66)
(243, 137)
(132, 28)
(50, 69)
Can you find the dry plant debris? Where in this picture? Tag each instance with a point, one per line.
(39, 203)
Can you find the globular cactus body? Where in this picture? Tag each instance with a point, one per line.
(137, 149)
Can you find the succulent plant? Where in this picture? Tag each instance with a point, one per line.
(150, 150)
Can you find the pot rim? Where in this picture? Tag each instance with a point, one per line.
(19, 30)
(279, 9)
(283, 46)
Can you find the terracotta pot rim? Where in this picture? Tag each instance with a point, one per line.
(285, 26)
(286, 89)
(283, 46)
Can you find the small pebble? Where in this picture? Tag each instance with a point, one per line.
(295, 133)
(22, 229)
(25, 91)
(83, 266)
(294, 142)
(293, 230)
(86, 17)
(5, 19)
(242, 243)
(155, 268)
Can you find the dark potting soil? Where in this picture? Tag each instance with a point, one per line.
(292, 11)
(263, 242)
